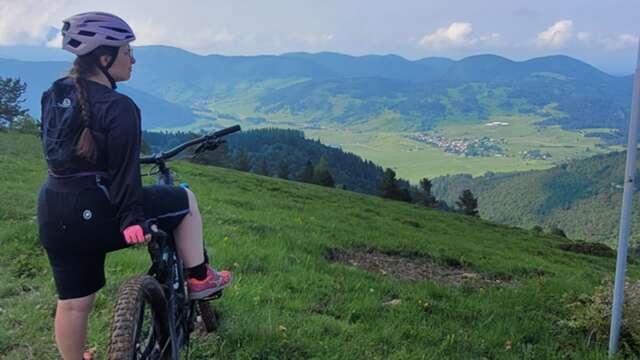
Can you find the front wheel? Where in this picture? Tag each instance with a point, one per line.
(139, 327)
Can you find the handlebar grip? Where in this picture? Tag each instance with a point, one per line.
(227, 131)
(147, 228)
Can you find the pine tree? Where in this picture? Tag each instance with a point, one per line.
(321, 174)
(241, 161)
(263, 167)
(306, 175)
(283, 169)
(468, 203)
(389, 184)
(427, 198)
(11, 91)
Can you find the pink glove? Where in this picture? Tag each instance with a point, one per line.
(134, 234)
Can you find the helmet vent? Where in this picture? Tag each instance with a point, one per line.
(111, 38)
(66, 26)
(86, 33)
(122, 31)
(74, 43)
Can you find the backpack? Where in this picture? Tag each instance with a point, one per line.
(61, 124)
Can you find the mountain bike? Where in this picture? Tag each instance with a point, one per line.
(153, 315)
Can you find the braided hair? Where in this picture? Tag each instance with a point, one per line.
(83, 67)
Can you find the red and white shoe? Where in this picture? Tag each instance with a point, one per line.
(213, 283)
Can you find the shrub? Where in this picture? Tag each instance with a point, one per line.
(592, 316)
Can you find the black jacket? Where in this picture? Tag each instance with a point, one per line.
(115, 126)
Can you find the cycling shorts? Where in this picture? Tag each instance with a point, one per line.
(78, 228)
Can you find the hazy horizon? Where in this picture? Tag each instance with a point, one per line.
(602, 34)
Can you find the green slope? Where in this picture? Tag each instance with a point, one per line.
(582, 197)
(290, 302)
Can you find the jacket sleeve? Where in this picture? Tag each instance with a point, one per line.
(123, 163)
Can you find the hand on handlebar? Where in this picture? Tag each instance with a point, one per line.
(135, 234)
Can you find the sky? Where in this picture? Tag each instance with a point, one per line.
(602, 33)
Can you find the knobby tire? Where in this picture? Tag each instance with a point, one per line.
(133, 297)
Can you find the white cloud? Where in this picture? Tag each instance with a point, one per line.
(458, 35)
(620, 41)
(556, 35)
(55, 42)
(562, 35)
(151, 32)
(584, 37)
(28, 22)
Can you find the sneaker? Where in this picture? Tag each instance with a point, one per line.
(213, 283)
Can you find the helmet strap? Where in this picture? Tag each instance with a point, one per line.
(105, 69)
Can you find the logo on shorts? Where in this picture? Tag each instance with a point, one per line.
(87, 214)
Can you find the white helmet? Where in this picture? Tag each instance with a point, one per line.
(83, 33)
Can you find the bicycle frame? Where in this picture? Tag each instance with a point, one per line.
(168, 269)
(166, 266)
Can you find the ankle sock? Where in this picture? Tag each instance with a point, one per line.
(198, 272)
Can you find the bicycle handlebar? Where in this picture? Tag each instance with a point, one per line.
(165, 155)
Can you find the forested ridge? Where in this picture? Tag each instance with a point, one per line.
(581, 197)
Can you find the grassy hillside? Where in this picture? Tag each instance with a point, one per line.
(582, 197)
(498, 292)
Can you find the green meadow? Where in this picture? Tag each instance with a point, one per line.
(414, 160)
(290, 300)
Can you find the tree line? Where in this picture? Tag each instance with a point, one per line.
(287, 154)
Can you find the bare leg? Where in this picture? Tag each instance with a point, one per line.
(72, 316)
(188, 235)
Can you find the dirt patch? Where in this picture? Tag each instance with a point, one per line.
(411, 268)
(594, 249)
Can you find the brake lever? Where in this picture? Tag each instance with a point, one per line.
(150, 226)
(210, 145)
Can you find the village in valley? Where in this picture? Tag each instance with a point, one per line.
(484, 146)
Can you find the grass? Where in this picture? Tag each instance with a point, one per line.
(289, 302)
(381, 138)
(414, 160)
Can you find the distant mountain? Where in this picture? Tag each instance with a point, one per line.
(378, 92)
(39, 76)
(35, 53)
(582, 197)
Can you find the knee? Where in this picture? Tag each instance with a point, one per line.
(78, 305)
(193, 202)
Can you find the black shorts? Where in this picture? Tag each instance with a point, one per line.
(78, 229)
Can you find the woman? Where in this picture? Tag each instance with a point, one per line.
(93, 201)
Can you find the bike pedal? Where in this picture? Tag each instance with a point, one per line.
(215, 295)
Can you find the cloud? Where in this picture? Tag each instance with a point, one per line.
(584, 37)
(152, 32)
(56, 41)
(457, 35)
(618, 42)
(556, 35)
(26, 22)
